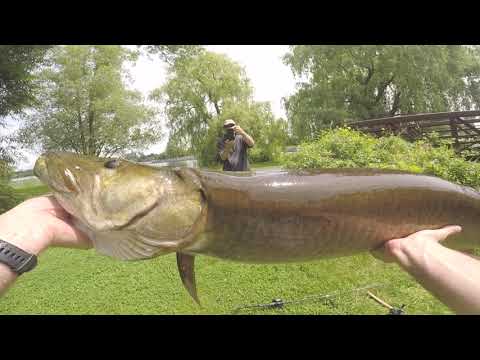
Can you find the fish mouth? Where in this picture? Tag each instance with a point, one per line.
(68, 184)
(40, 168)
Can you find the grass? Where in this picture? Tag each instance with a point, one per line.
(23, 193)
(82, 282)
(27, 183)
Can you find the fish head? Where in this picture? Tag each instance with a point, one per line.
(116, 200)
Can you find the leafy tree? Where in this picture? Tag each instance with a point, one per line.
(202, 91)
(86, 106)
(359, 82)
(256, 119)
(170, 53)
(18, 64)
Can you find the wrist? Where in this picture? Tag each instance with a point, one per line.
(29, 238)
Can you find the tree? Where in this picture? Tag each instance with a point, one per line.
(201, 92)
(18, 85)
(257, 119)
(361, 82)
(18, 64)
(86, 106)
(170, 53)
(197, 89)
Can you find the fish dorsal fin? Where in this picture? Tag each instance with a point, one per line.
(186, 268)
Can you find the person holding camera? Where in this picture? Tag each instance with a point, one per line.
(232, 147)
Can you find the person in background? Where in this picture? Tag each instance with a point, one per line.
(232, 147)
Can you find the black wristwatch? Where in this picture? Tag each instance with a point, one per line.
(16, 259)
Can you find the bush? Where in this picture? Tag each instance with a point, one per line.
(347, 148)
(7, 193)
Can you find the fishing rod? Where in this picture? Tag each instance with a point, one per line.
(393, 310)
(279, 303)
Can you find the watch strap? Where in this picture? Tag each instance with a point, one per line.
(17, 259)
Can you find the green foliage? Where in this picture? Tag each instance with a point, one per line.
(203, 90)
(22, 173)
(170, 53)
(7, 196)
(86, 106)
(340, 82)
(196, 91)
(18, 64)
(257, 120)
(176, 149)
(347, 148)
(18, 87)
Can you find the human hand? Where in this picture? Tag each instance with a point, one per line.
(38, 223)
(238, 130)
(414, 246)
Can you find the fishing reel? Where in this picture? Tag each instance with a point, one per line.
(397, 311)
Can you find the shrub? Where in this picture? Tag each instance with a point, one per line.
(348, 148)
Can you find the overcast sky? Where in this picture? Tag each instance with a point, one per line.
(270, 78)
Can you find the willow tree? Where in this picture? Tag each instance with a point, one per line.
(197, 90)
(337, 83)
(86, 106)
(203, 89)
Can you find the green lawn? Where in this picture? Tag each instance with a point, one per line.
(83, 282)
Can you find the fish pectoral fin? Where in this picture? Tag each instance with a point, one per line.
(186, 268)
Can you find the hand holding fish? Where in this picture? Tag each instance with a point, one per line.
(408, 249)
(35, 225)
(451, 276)
(39, 223)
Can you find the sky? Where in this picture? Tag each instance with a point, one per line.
(270, 79)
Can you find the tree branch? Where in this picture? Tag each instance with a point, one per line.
(396, 103)
(369, 75)
(381, 92)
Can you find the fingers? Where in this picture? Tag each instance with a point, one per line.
(443, 233)
(66, 235)
(48, 204)
(41, 203)
(392, 249)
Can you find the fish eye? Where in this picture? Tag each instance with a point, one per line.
(112, 164)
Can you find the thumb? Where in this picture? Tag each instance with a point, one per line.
(443, 233)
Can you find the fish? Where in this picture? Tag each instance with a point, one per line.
(134, 211)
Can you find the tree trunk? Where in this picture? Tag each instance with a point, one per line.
(91, 134)
(80, 127)
(91, 118)
(396, 104)
(217, 108)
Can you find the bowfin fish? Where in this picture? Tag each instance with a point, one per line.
(133, 211)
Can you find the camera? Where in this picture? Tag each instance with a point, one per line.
(229, 134)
